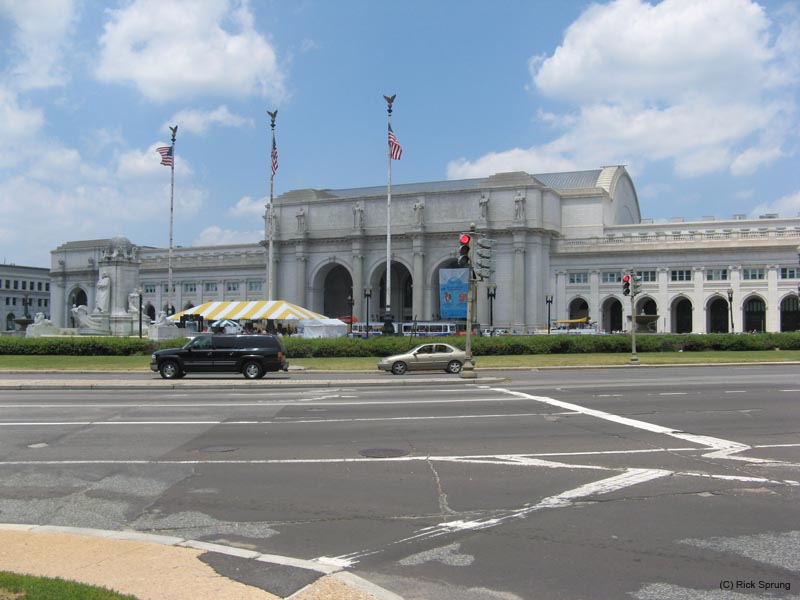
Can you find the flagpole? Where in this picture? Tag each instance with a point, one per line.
(388, 317)
(270, 208)
(171, 216)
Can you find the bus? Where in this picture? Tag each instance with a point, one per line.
(428, 328)
(359, 329)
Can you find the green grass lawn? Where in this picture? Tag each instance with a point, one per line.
(27, 587)
(141, 363)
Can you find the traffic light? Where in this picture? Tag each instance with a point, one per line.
(464, 251)
(637, 284)
(626, 285)
(485, 257)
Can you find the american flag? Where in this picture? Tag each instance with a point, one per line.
(395, 150)
(166, 155)
(274, 157)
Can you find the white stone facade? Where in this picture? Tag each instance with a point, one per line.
(22, 288)
(569, 235)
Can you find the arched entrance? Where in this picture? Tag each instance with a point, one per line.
(435, 299)
(755, 314)
(77, 297)
(10, 322)
(578, 309)
(337, 288)
(150, 311)
(647, 315)
(681, 315)
(790, 314)
(717, 319)
(402, 293)
(612, 315)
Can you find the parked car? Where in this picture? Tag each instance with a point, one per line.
(251, 355)
(426, 356)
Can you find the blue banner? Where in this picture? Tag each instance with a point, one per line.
(453, 291)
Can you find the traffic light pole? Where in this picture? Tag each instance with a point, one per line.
(468, 369)
(634, 359)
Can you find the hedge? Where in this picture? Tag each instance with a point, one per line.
(384, 346)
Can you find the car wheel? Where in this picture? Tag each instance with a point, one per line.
(453, 367)
(252, 370)
(169, 369)
(399, 368)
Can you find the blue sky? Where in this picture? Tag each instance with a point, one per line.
(698, 97)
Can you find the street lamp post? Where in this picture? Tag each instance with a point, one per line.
(730, 306)
(350, 301)
(549, 300)
(140, 313)
(367, 296)
(491, 292)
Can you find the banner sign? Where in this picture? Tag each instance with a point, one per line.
(453, 289)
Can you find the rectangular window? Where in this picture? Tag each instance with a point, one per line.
(232, 286)
(47, 286)
(681, 275)
(255, 286)
(39, 286)
(166, 288)
(578, 277)
(189, 288)
(16, 284)
(717, 275)
(24, 285)
(210, 286)
(752, 274)
(612, 276)
(149, 288)
(646, 276)
(790, 273)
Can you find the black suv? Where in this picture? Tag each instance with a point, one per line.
(250, 355)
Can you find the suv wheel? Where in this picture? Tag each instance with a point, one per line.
(399, 368)
(169, 369)
(252, 370)
(453, 367)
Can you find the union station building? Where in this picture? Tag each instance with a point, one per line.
(563, 237)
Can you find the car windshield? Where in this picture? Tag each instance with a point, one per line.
(199, 343)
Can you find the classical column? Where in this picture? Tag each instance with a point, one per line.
(735, 273)
(300, 283)
(518, 322)
(699, 316)
(358, 280)
(418, 280)
(773, 316)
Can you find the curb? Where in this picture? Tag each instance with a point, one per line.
(346, 578)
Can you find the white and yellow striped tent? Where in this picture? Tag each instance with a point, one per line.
(255, 310)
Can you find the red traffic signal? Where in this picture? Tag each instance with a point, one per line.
(626, 285)
(464, 251)
(626, 278)
(465, 238)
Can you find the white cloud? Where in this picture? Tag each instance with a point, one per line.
(703, 85)
(217, 236)
(248, 207)
(184, 48)
(787, 206)
(532, 160)
(40, 33)
(17, 123)
(198, 121)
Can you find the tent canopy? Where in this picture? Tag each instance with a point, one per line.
(280, 310)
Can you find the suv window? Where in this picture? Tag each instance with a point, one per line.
(201, 343)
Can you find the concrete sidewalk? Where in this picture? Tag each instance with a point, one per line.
(152, 567)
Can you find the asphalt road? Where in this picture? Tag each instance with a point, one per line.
(640, 483)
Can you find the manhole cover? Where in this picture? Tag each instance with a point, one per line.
(219, 449)
(383, 452)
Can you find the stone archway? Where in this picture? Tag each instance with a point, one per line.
(612, 315)
(790, 314)
(435, 297)
(754, 314)
(402, 292)
(337, 288)
(150, 311)
(10, 326)
(578, 309)
(718, 316)
(681, 315)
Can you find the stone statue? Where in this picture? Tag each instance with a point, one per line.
(484, 205)
(103, 295)
(41, 326)
(162, 320)
(301, 220)
(133, 303)
(519, 207)
(419, 211)
(358, 216)
(85, 319)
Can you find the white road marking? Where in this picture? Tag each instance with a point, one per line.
(672, 394)
(720, 448)
(604, 486)
(272, 422)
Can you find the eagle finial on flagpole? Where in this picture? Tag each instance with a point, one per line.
(174, 131)
(389, 101)
(272, 115)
